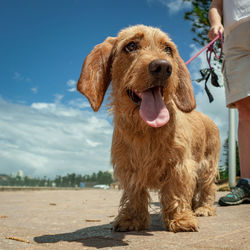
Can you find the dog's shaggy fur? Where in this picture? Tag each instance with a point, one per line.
(178, 156)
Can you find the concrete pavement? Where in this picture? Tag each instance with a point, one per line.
(80, 219)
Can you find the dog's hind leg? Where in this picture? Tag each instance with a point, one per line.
(133, 214)
(207, 171)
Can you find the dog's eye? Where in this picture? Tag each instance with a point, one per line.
(132, 46)
(168, 50)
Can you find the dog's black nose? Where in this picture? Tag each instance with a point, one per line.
(161, 69)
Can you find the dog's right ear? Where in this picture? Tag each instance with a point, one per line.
(96, 73)
(184, 94)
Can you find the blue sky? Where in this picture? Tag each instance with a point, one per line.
(46, 127)
(45, 41)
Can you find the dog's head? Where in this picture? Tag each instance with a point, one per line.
(146, 72)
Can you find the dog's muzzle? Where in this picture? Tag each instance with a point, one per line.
(151, 102)
(161, 70)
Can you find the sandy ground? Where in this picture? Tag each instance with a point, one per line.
(81, 219)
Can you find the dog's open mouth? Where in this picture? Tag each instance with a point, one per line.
(152, 107)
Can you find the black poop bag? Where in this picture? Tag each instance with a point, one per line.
(205, 74)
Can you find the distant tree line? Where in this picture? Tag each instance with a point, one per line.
(224, 169)
(69, 180)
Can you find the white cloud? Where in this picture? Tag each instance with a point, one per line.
(92, 143)
(79, 103)
(48, 139)
(72, 85)
(34, 90)
(19, 77)
(58, 98)
(173, 6)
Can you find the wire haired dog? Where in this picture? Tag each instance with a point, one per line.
(159, 142)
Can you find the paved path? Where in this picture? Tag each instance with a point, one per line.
(80, 219)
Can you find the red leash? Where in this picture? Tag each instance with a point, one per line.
(210, 50)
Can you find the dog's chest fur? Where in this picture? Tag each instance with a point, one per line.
(141, 157)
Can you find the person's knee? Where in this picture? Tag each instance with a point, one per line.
(243, 107)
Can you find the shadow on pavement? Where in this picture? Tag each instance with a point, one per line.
(99, 236)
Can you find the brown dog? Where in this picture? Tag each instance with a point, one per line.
(159, 140)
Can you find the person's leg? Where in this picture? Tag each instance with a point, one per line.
(243, 107)
(236, 76)
(242, 191)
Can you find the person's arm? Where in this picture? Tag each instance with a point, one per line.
(215, 18)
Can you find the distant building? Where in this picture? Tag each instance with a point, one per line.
(3, 177)
(115, 185)
(111, 171)
(20, 173)
(102, 186)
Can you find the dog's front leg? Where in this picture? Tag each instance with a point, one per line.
(177, 213)
(133, 214)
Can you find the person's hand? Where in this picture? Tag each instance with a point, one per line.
(214, 31)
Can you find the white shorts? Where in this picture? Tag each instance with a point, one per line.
(236, 65)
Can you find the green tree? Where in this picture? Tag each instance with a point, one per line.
(104, 178)
(226, 153)
(198, 15)
(93, 177)
(200, 25)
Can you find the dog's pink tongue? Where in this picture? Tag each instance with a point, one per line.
(153, 110)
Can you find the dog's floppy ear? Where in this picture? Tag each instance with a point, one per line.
(96, 73)
(184, 95)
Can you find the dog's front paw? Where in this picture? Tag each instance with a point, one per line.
(184, 222)
(205, 211)
(128, 223)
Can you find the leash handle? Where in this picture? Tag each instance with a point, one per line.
(210, 51)
(210, 48)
